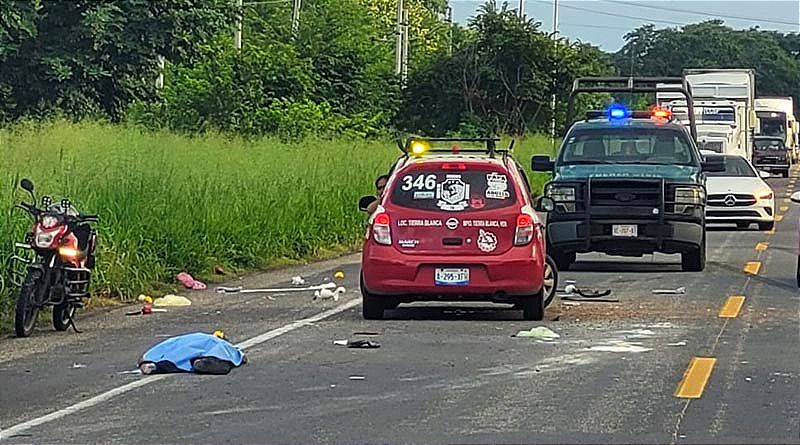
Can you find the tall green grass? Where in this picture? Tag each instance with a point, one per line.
(169, 203)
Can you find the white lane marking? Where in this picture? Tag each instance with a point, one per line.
(108, 395)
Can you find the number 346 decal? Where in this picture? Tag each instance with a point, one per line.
(421, 182)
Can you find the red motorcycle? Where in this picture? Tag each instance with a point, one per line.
(56, 271)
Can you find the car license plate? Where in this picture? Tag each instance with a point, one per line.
(624, 230)
(452, 277)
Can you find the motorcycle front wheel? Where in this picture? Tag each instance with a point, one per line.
(26, 311)
(61, 316)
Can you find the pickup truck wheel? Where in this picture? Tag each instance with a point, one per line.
(695, 259)
(766, 226)
(371, 305)
(563, 260)
(533, 306)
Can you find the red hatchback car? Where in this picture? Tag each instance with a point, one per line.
(454, 224)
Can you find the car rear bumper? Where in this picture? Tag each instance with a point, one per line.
(772, 167)
(518, 272)
(669, 237)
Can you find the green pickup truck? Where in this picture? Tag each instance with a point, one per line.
(627, 183)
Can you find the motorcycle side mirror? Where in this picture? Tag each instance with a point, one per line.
(365, 201)
(26, 185)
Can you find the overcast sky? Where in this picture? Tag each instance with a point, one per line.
(605, 22)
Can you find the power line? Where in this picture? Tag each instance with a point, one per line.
(586, 25)
(706, 14)
(611, 14)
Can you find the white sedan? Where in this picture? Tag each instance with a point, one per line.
(739, 195)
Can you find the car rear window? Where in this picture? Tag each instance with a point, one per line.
(436, 189)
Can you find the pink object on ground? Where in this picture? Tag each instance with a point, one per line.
(190, 282)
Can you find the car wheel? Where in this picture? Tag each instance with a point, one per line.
(742, 225)
(563, 260)
(533, 306)
(550, 280)
(371, 305)
(695, 259)
(766, 226)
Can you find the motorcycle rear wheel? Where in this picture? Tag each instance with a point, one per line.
(61, 316)
(27, 313)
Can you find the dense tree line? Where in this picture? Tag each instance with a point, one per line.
(336, 75)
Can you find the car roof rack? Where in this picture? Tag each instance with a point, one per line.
(632, 85)
(488, 145)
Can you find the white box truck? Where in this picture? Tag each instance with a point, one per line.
(725, 101)
(776, 118)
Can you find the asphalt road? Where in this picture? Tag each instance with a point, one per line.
(445, 373)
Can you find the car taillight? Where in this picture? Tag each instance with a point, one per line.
(454, 166)
(381, 230)
(524, 233)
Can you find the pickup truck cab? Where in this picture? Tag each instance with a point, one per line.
(771, 155)
(626, 183)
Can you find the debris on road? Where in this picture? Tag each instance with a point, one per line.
(680, 343)
(340, 342)
(570, 303)
(145, 299)
(298, 281)
(196, 352)
(241, 290)
(131, 372)
(678, 291)
(172, 300)
(748, 379)
(539, 332)
(620, 346)
(590, 300)
(327, 294)
(338, 275)
(189, 282)
(78, 365)
(357, 377)
(146, 309)
(366, 333)
(363, 344)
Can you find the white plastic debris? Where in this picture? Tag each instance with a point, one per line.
(570, 289)
(340, 342)
(298, 280)
(678, 291)
(748, 379)
(680, 343)
(241, 290)
(357, 377)
(327, 294)
(78, 365)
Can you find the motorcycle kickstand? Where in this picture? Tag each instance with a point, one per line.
(72, 323)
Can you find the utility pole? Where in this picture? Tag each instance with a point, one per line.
(296, 17)
(237, 35)
(450, 30)
(406, 42)
(555, 74)
(160, 79)
(522, 9)
(398, 51)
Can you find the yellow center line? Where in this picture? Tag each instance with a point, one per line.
(784, 209)
(695, 378)
(778, 218)
(752, 267)
(731, 307)
(770, 232)
(762, 246)
(787, 201)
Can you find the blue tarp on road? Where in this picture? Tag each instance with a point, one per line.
(181, 350)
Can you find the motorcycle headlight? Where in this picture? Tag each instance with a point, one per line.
(689, 195)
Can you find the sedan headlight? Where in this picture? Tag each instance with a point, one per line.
(689, 195)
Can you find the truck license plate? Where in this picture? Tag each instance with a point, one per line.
(624, 230)
(452, 277)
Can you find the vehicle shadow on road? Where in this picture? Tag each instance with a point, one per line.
(752, 228)
(625, 266)
(443, 312)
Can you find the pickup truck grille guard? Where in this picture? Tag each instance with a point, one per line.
(585, 199)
